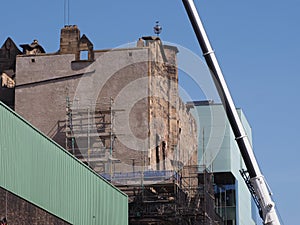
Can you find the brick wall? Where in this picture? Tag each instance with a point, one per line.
(20, 212)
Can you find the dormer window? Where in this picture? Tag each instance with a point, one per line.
(86, 49)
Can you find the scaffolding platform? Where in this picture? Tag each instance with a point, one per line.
(185, 197)
(135, 178)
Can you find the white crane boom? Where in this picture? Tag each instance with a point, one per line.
(255, 181)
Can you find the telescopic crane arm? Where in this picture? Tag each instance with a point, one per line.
(256, 182)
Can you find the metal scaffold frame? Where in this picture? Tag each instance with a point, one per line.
(89, 133)
(164, 197)
(185, 198)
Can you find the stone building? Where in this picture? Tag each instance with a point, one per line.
(118, 110)
(8, 53)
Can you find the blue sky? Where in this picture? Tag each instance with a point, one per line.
(257, 44)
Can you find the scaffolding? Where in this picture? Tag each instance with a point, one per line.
(156, 197)
(89, 133)
(185, 198)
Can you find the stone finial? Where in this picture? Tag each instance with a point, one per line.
(140, 43)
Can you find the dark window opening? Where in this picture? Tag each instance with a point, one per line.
(157, 153)
(164, 154)
(157, 157)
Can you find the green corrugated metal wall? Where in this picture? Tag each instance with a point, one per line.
(38, 170)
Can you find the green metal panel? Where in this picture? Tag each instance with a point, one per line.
(38, 170)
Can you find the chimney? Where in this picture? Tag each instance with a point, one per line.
(69, 39)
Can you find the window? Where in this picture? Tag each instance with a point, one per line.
(84, 55)
(157, 153)
(164, 154)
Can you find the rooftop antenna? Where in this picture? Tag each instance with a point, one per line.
(66, 12)
(157, 28)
